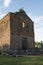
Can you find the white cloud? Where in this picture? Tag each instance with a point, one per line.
(7, 3)
(36, 19)
(38, 27)
(1, 14)
(39, 34)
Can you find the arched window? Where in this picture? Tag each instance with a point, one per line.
(23, 24)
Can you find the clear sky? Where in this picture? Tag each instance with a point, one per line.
(33, 8)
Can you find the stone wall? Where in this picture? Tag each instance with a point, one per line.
(5, 30)
(18, 32)
(13, 33)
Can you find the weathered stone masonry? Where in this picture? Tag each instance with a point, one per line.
(17, 30)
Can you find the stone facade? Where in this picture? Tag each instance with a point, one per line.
(17, 31)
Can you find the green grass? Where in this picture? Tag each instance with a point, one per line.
(31, 60)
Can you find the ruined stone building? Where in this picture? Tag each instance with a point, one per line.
(17, 31)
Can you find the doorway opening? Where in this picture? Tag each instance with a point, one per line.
(24, 43)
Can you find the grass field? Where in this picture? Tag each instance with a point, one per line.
(31, 60)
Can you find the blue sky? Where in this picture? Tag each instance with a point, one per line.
(33, 8)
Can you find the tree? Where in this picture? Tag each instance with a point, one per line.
(38, 44)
